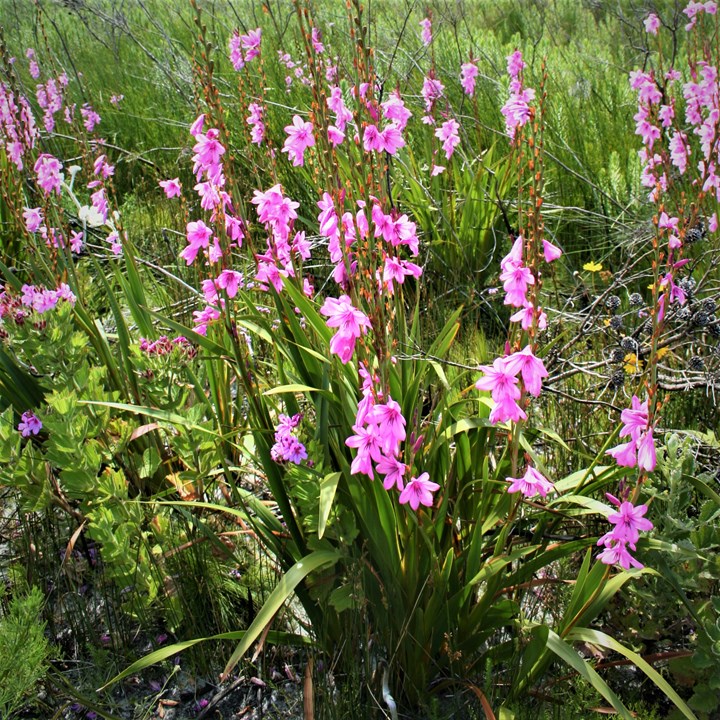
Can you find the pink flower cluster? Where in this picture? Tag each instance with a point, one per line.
(277, 213)
(33, 66)
(208, 169)
(517, 110)
(18, 131)
(243, 48)
(379, 434)
(501, 379)
(34, 223)
(640, 450)
(50, 99)
(39, 299)
(90, 118)
(468, 74)
(432, 91)
(255, 121)
(287, 447)
(448, 133)
(165, 345)
(47, 173)
(517, 279)
(426, 34)
(694, 9)
(628, 521)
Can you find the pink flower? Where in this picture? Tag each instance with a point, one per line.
(397, 270)
(448, 133)
(372, 139)
(392, 139)
(426, 34)
(172, 188)
(47, 169)
(625, 454)
(351, 324)
(499, 380)
(616, 553)
(531, 484)
(33, 219)
(317, 41)
(550, 251)
(515, 64)
(29, 424)
(468, 74)
(367, 441)
(419, 492)
(526, 315)
(335, 136)
(532, 369)
(198, 236)
(391, 422)
(646, 456)
(394, 110)
(300, 137)
(515, 283)
(652, 24)
(393, 470)
(628, 522)
(230, 281)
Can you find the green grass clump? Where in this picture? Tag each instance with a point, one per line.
(24, 651)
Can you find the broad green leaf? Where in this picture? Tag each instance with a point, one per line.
(328, 486)
(596, 637)
(568, 654)
(284, 589)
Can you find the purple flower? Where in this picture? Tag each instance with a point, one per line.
(29, 424)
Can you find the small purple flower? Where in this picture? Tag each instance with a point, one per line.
(29, 424)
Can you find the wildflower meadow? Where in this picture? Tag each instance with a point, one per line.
(359, 359)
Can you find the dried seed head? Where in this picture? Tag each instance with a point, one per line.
(628, 344)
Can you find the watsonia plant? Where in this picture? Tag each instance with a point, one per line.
(417, 523)
(400, 533)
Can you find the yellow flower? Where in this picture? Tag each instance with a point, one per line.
(632, 364)
(592, 267)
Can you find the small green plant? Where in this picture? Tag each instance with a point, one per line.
(24, 651)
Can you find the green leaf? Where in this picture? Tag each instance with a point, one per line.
(567, 653)
(328, 487)
(171, 650)
(600, 638)
(297, 388)
(292, 578)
